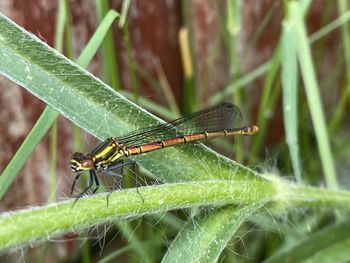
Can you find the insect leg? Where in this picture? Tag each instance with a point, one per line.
(74, 182)
(136, 181)
(120, 177)
(121, 164)
(96, 180)
(91, 181)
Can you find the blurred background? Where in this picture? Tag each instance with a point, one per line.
(173, 58)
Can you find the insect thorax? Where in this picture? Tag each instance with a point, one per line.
(109, 155)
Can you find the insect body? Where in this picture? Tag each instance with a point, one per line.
(113, 153)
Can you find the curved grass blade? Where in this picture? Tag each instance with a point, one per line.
(43, 124)
(205, 237)
(327, 245)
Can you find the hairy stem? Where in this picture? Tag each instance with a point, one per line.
(26, 226)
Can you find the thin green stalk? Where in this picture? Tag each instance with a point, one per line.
(166, 89)
(190, 95)
(124, 13)
(111, 70)
(233, 23)
(131, 63)
(151, 106)
(340, 111)
(60, 23)
(38, 131)
(189, 91)
(53, 161)
(264, 67)
(68, 30)
(313, 96)
(267, 103)
(242, 82)
(335, 24)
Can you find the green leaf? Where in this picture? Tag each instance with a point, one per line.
(290, 93)
(205, 237)
(312, 93)
(98, 109)
(327, 245)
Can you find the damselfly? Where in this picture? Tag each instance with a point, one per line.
(112, 154)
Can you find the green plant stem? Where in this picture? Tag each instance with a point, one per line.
(313, 96)
(17, 228)
(61, 23)
(110, 65)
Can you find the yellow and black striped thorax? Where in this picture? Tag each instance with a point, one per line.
(100, 158)
(107, 153)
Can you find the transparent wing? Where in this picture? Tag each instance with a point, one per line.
(224, 116)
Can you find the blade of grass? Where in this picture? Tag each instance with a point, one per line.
(335, 24)
(165, 87)
(327, 245)
(263, 68)
(312, 93)
(53, 162)
(61, 23)
(96, 40)
(38, 131)
(267, 102)
(110, 68)
(233, 25)
(131, 63)
(290, 93)
(189, 91)
(124, 13)
(49, 115)
(151, 106)
(205, 237)
(340, 111)
(241, 82)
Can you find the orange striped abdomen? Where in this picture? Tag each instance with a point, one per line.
(133, 150)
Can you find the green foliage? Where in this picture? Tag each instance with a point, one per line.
(234, 196)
